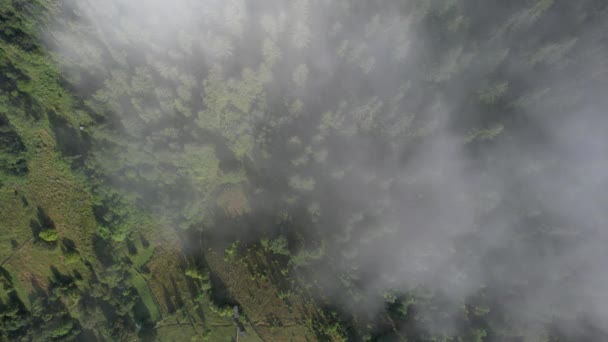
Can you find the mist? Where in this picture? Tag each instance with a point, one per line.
(444, 146)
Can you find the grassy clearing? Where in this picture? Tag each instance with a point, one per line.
(234, 201)
(32, 266)
(15, 220)
(141, 251)
(146, 295)
(176, 332)
(63, 198)
(49, 187)
(275, 319)
(197, 322)
(184, 314)
(166, 279)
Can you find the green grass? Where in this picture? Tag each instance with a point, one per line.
(185, 332)
(146, 295)
(275, 319)
(143, 253)
(175, 333)
(50, 183)
(14, 221)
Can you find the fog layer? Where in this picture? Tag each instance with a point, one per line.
(453, 146)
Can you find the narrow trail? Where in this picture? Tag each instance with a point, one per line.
(15, 252)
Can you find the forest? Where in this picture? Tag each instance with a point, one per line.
(305, 170)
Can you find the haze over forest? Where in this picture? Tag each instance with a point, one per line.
(306, 170)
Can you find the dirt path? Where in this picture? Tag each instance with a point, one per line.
(15, 253)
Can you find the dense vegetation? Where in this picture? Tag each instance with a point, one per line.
(347, 170)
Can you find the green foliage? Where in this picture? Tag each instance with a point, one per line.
(224, 311)
(301, 183)
(300, 75)
(485, 134)
(72, 257)
(480, 310)
(332, 332)
(115, 212)
(48, 235)
(493, 94)
(477, 335)
(61, 330)
(277, 246)
(231, 252)
(198, 274)
(552, 53)
(306, 257)
(529, 15)
(301, 35)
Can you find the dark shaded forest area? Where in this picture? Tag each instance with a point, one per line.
(308, 170)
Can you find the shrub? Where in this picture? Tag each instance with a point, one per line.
(48, 235)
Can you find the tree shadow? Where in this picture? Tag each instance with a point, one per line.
(131, 248)
(87, 336)
(69, 139)
(103, 250)
(60, 280)
(200, 313)
(179, 302)
(220, 294)
(142, 314)
(68, 246)
(36, 229)
(39, 291)
(45, 220)
(168, 302)
(144, 242)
